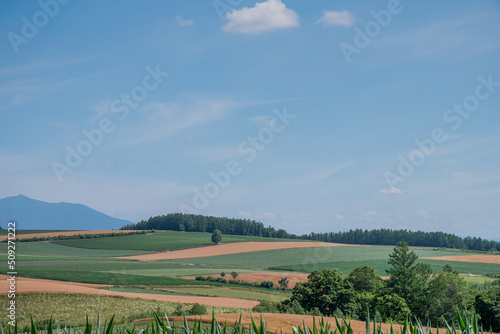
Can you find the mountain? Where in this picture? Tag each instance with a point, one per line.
(37, 215)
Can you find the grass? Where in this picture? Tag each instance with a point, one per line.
(4, 231)
(214, 291)
(147, 291)
(72, 309)
(185, 271)
(309, 259)
(159, 241)
(51, 249)
(211, 291)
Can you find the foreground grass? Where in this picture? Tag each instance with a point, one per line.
(72, 309)
(462, 325)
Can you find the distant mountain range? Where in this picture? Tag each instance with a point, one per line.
(33, 215)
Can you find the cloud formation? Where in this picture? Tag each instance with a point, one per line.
(183, 22)
(334, 18)
(392, 191)
(265, 16)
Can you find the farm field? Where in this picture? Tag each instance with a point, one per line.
(162, 283)
(159, 241)
(55, 233)
(72, 309)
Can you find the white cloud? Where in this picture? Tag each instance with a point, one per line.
(183, 22)
(161, 120)
(334, 18)
(339, 217)
(392, 191)
(266, 215)
(264, 121)
(245, 214)
(265, 16)
(101, 108)
(315, 177)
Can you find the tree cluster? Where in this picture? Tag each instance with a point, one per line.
(200, 223)
(412, 289)
(413, 238)
(82, 236)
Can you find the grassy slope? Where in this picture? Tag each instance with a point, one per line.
(343, 258)
(51, 249)
(159, 241)
(55, 261)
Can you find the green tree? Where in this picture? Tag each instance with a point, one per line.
(216, 237)
(283, 282)
(327, 291)
(448, 294)
(365, 279)
(234, 274)
(390, 307)
(409, 279)
(402, 271)
(488, 307)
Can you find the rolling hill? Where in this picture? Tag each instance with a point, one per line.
(33, 214)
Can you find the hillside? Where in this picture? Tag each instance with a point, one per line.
(33, 214)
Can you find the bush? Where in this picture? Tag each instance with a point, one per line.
(267, 284)
(198, 309)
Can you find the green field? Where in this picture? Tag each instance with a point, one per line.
(159, 241)
(91, 261)
(47, 249)
(213, 291)
(343, 258)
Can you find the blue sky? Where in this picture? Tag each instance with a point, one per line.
(305, 115)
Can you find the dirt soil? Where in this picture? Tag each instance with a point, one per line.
(480, 258)
(24, 285)
(261, 277)
(68, 233)
(232, 248)
(280, 323)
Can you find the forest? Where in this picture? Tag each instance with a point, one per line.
(200, 223)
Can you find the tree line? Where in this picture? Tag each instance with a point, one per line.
(200, 223)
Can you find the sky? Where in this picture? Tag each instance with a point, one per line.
(312, 116)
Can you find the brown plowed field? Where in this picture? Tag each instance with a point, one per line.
(278, 322)
(469, 258)
(67, 233)
(261, 277)
(225, 249)
(24, 285)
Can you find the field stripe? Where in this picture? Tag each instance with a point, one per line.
(67, 233)
(495, 259)
(232, 248)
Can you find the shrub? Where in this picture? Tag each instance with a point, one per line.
(198, 309)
